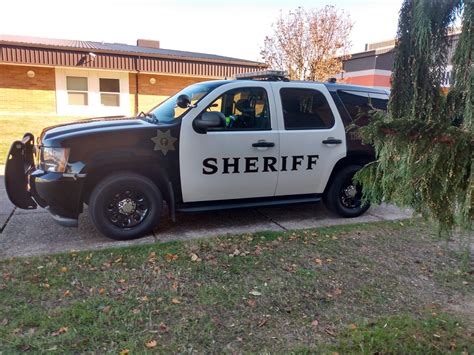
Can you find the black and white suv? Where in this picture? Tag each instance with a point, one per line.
(258, 140)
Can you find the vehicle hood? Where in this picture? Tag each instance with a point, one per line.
(54, 136)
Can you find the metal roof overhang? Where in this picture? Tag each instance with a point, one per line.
(114, 60)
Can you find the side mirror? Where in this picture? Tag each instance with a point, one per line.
(209, 120)
(183, 101)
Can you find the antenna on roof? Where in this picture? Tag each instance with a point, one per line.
(265, 75)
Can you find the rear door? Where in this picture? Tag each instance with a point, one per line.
(239, 160)
(312, 137)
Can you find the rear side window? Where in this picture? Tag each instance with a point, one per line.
(305, 109)
(358, 104)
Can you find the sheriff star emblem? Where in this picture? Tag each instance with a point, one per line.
(164, 142)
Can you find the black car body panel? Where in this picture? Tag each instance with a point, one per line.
(20, 161)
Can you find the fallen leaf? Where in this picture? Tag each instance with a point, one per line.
(337, 291)
(62, 330)
(330, 332)
(251, 302)
(135, 311)
(59, 331)
(101, 291)
(151, 344)
(46, 285)
(163, 327)
(255, 293)
(314, 324)
(124, 352)
(67, 293)
(171, 257)
(106, 309)
(175, 301)
(195, 257)
(174, 286)
(118, 260)
(318, 261)
(352, 326)
(63, 269)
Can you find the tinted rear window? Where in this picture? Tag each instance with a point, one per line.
(305, 109)
(358, 104)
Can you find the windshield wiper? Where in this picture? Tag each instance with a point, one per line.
(154, 119)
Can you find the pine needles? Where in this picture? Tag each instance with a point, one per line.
(424, 144)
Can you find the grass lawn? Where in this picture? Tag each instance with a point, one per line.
(13, 128)
(389, 287)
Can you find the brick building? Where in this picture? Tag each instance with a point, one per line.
(373, 67)
(51, 77)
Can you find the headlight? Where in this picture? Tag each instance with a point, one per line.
(54, 159)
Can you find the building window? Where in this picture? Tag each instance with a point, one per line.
(77, 90)
(305, 109)
(109, 92)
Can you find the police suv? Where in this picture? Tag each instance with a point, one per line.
(258, 140)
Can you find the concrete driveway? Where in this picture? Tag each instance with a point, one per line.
(33, 232)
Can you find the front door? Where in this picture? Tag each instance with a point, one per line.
(312, 137)
(238, 160)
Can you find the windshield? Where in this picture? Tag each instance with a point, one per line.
(167, 111)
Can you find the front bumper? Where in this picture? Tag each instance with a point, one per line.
(28, 187)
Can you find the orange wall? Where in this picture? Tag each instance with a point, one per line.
(369, 80)
(150, 95)
(21, 94)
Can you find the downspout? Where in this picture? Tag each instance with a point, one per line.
(137, 72)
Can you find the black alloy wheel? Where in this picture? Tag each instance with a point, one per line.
(350, 194)
(343, 196)
(125, 206)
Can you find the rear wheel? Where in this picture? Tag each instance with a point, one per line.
(344, 196)
(125, 206)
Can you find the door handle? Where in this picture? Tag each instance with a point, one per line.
(332, 141)
(263, 144)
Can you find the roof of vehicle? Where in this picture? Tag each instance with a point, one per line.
(330, 86)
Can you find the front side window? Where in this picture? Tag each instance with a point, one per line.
(305, 109)
(167, 111)
(77, 90)
(109, 92)
(244, 109)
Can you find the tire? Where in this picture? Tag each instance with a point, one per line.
(343, 197)
(125, 206)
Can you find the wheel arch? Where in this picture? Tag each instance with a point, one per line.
(351, 159)
(96, 172)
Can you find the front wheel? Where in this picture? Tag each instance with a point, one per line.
(125, 206)
(344, 196)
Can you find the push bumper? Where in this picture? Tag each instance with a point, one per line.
(28, 187)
